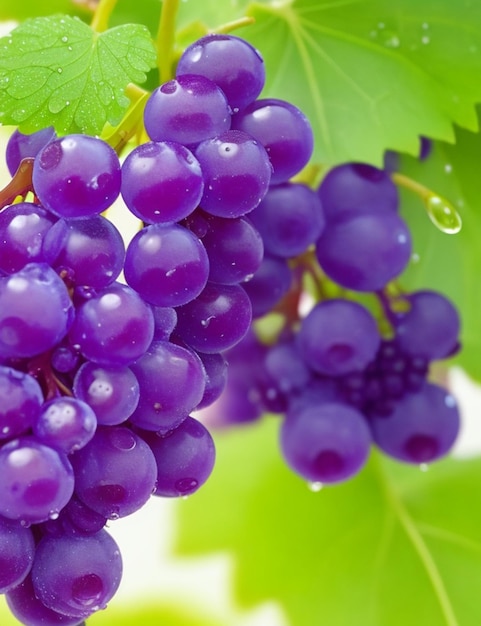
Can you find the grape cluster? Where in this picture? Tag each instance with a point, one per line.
(107, 348)
(343, 376)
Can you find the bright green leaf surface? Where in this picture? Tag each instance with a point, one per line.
(392, 547)
(57, 71)
(372, 74)
(15, 10)
(450, 263)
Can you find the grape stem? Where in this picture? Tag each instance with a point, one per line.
(132, 121)
(228, 27)
(100, 20)
(41, 369)
(20, 184)
(408, 183)
(165, 39)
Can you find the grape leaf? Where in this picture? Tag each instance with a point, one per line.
(14, 10)
(385, 548)
(372, 74)
(56, 71)
(450, 263)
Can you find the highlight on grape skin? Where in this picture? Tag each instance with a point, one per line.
(108, 351)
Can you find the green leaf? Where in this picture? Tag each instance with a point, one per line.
(450, 263)
(391, 547)
(14, 10)
(57, 71)
(372, 74)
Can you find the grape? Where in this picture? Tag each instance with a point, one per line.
(236, 172)
(269, 285)
(21, 146)
(172, 383)
(338, 336)
(165, 319)
(166, 264)
(430, 328)
(283, 130)
(234, 247)
(76, 176)
(216, 320)
(357, 189)
(187, 110)
(36, 481)
(114, 327)
(23, 227)
(290, 218)
(35, 311)
(21, 399)
(326, 443)
(232, 63)
(161, 182)
(422, 427)
(365, 252)
(67, 424)
(29, 610)
(215, 366)
(185, 458)
(76, 575)
(111, 391)
(89, 250)
(115, 472)
(17, 548)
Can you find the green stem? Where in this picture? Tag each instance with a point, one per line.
(132, 120)
(166, 38)
(100, 20)
(228, 27)
(408, 183)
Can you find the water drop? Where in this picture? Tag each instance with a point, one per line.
(315, 486)
(424, 467)
(59, 70)
(448, 168)
(53, 515)
(70, 48)
(64, 39)
(443, 215)
(425, 40)
(415, 258)
(390, 39)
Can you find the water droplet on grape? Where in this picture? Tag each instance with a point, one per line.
(53, 515)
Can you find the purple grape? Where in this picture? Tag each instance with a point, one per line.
(166, 264)
(65, 423)
(232, 63)
(21, 146)
(113, 327)
(422, 427)
(290, 218)
(89, 250)
(283, 130)
(17, 548)
(236, 172)
(357, 188)
(216, 320)
(21, 399)
(171, 381)
(115, 472)
(325, 443)
(165, 319)
(431, 326)
(234, 247)
(111, 391)
(23, 227)
(216, 367)
(185, 458)
(286, 366)
(29, 610)
(36, 481)
(337, 337)
(77, 517)
(35, 311)
(161, 182)
(76, 575)
(76, 176)
(364, 253)
(269, 285)
(187, 110)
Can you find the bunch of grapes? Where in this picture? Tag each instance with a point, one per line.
(107, 349)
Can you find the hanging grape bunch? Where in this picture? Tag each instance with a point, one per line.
(107, 350)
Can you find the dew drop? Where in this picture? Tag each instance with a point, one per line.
(53, 515)
(64, 39)
(59, 70)
(425, 40)
(443, 215)
(315, 486)
(424, 467)
(448, 168)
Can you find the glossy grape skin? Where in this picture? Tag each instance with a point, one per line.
(269, 285)
(17, 548)
(237, 173)
(21, 146)
(21, 399)
(35, 311)
(161, 182)
(187, 110)
(65, 423)
(166, 264)
(283, 130)
(185, 458)
(232, 63)
(76, 176)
